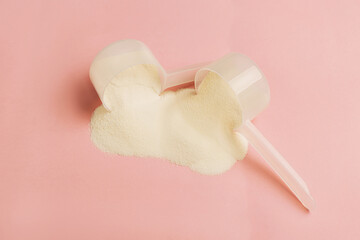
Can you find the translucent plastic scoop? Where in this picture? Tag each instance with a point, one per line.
(241, 73)
(252, 90)
(124, 54)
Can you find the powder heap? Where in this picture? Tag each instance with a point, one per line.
(189, 128)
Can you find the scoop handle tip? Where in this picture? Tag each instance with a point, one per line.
(278, 163)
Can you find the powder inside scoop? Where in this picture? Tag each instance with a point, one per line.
(187, 128)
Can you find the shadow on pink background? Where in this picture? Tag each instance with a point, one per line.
(54, 184)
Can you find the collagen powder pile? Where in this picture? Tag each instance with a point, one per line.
(187, 128)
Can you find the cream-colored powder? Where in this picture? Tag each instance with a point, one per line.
(187, 128)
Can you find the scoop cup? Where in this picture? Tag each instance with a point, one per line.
(124, 54)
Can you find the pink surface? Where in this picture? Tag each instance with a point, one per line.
(54, 184)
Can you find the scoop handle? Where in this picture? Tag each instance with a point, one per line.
(181, 76)
(277, 163)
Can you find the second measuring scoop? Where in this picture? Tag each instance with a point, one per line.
(253, 93)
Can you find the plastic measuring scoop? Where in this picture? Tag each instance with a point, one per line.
(124, 54)
(253, 93)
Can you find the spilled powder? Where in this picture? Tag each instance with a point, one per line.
(187, 128)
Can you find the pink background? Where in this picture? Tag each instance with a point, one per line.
(54, 184)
